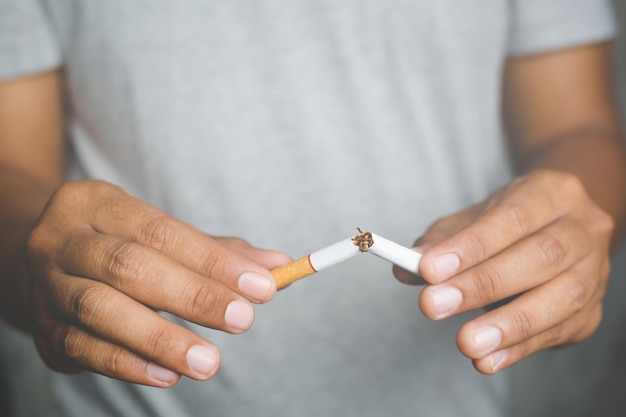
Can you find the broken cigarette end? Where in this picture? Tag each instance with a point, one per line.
(363, 240)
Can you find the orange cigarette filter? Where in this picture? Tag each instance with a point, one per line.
(293, 271)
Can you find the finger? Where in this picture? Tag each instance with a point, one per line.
(269, 259)
(525, 265)
(114, 317)
(155, 280)
(526, 206)
(532, 313)
(79, 349)
(553, 337)
(132, 219)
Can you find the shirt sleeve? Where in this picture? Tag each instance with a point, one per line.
(544, 25)
(27, 43)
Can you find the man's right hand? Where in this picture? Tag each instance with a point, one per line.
(101, 263)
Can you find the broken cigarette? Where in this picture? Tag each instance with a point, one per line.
(344, 250)
(314, 262)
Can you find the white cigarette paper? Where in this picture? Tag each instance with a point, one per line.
(396, 254)
(333, 254)
(344, 250)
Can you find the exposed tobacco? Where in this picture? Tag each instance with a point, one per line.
(363, 240)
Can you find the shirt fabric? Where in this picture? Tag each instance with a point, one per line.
(290, 124)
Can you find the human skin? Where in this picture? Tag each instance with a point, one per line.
(545, 239)
(97, 261)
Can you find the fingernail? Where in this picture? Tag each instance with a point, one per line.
(487, 338)
(497, 359)
(239, 315)
(161, 374)
(202, 359)
(446, 265)
(255, 286)
(445, 300)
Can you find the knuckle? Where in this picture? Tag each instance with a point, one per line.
(73, 193)
(36, 238)
(161, 342)
(558, 185)
(123, 261)
(203, 301)
(487, 284)
(556, 336)
(578, 294)
(553, 178)
(113, 361)
(86, 304)
(158, 231)
(41, 241)
(214, 265)
(571, 183)
(70, 191)
(70, 343)
(603, 223)
(477, 245)
(551, 250)
(523, 324)
(519, 219)
(107, 187)
(37, 243)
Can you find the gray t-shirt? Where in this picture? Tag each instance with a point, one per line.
(291, 123)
